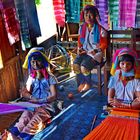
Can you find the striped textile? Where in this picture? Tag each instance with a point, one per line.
(27, 15)
(138, 14)
(59, 11)
(127, 13)
(6, 108)
(113, 12)
(121, 124)
(1, 5)
(115, 128)
(8, 3)
(10, 21)
(73, 11)
(32, 17)
(102, 6)
(24, 27)
(11, 25)
(83, 3)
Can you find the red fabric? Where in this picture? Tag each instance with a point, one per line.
(103, 42)
(11, 24)
(79, 43)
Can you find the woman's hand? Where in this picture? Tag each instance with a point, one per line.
(25, 93)
(34, 100)
(116, 103)
(93, 52)
(81, 51)
(119, 104)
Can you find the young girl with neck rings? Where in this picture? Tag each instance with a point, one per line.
(124, 84)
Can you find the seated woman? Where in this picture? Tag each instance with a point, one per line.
(40, 88)
(124, 85)
(92, 42)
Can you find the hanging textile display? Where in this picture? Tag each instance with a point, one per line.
(86, 2)
(8, 3)
(138, 14)
(127, 13)
(32, 18)
(72, 11)
(102, 6)
(59, 11)
(24, 28)
(10, 21)
(113, 6)
(29, 24)
(1, 5)
(11, 25)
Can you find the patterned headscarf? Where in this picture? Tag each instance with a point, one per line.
(38, 51)
(120, 52)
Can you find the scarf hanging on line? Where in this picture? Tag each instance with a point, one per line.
(11, 25)
(83, 3)
(138, 14)
(59, 11)
(127, 13)
(10, 21)
(73, 11)
(102, 6)
(113, 12)
(95, 32)
(24, 31)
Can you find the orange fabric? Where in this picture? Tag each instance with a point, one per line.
(137, 75)
(125, 112)
(115, 128)
(103, 39)
(103, 42)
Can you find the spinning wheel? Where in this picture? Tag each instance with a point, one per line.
(59, 58)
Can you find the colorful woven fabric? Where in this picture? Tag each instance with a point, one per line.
(73, 11)
(138, 14)
(113, 12)
(11, 24)
(115, 60)
(6, 108)
(127, 13)
(59, 11)
(24, 27)
(86, 2)
(27, 15)
(83, 33)
(102, 6)
(115, 128)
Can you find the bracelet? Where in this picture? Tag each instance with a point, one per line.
(30, 97)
